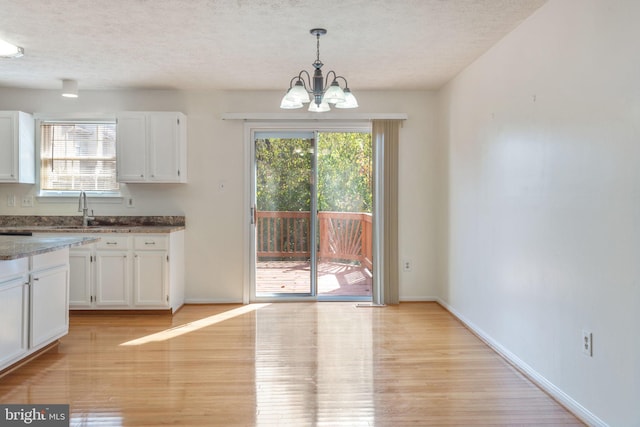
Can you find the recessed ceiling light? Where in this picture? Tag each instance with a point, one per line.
(70, 88)
(8, 50)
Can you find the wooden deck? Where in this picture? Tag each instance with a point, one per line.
(293, 277)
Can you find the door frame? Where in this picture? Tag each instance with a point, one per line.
(250, 128)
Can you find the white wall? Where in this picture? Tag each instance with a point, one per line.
(214, 246)
(542, 135)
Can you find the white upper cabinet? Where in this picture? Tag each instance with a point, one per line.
(152, 147)
(167, 147)
(17, 145)
(131, 147)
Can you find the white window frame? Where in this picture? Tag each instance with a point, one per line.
(115, 196)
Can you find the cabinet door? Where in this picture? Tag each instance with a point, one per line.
(150, 279)
(14, 307)
(49, 305)
(17, 145)
(131, 147)
(8, 147)
(112, 279)
(80, 282)
(164, 147)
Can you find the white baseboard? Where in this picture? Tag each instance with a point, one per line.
(235, 301)
(418, 299)
(211, 301)
(564, 399)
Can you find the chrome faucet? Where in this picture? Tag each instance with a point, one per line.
(84, 208)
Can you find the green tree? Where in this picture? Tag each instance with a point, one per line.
(345, 172)
(283, 180)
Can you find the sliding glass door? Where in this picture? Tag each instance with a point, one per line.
(282, 206)
(311, 210)
(344, 220)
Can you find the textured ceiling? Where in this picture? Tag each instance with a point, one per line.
(248, 44)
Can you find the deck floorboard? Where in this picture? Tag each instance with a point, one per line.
(293, 277)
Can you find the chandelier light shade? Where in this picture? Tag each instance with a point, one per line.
(8, 50)
(70, 88)
(324, 91)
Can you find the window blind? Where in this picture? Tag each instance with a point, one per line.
(78, 157)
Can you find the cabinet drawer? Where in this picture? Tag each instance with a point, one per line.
(113, 242)
(50, 259)
(150, 242)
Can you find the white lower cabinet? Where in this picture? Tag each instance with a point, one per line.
(150, 271)
(80, 277)
(133, 271)
(150, 279)
(34, 304)
(112, 272)
(113, 286)
(49, 305)
(100, 274)
(14, 309)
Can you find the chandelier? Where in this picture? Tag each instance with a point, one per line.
(324, 91)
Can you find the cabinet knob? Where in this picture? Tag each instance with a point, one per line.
(141, 175)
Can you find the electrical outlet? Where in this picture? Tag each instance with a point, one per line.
(11, 200)
(27, 201)
(406, 265)
(587, 343)
(130, 203)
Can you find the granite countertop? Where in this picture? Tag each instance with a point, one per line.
(91, 229)
(14, 247)
(105, 224)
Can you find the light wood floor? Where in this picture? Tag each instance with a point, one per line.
(287, 364)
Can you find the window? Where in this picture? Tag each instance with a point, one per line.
(78, 156)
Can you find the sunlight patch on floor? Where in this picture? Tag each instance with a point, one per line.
(194, 326)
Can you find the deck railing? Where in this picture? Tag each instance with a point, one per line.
(343, 236)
